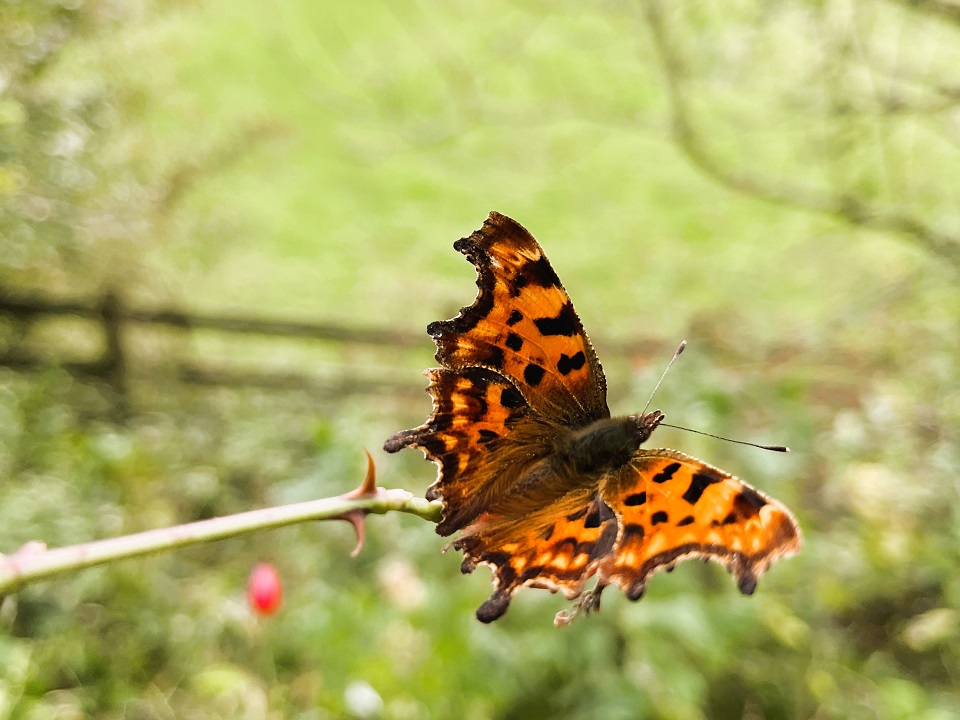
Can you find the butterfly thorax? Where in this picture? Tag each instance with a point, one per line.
(606, 444)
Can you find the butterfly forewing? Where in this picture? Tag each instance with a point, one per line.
(523, 325)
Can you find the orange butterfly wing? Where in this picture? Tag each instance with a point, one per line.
(556, 545)
(522, 518)
(671, 506)
(518, 352)
(523, 326)
(473, 410)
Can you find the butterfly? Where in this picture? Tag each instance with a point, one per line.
(545, 487)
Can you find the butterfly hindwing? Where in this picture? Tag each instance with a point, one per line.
(523, 326)
(557, 545)
(671, 506)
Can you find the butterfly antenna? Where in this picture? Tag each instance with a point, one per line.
(679, 350)
(773, 448)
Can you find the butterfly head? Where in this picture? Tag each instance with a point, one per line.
(646, 423)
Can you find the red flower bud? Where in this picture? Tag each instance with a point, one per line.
(264, 590)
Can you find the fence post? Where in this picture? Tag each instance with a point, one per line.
(114, 363)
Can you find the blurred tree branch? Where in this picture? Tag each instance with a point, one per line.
(945, 10)
(189, 173)
(842, 205)
(33, 562)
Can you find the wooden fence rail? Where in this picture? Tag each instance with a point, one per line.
(116, 364)
(30, 308)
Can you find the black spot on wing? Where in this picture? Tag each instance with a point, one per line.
(636, 499)
(688, 520)
(599, 513)
(529, 573)
(593, 519)
(487, 436)
(511, 398)
(666, 473)
(632, 532)
(514, 342)
(658, 517)
(566, 364)
(482, 408)
(433, 444)
(542, 273)
(533, 374)
(565, 322)
(748, 502)
(494, 358)
(567, 544)
(516, 284)
(514, 318)
(700, 482)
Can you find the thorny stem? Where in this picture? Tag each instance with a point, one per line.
(33, 562)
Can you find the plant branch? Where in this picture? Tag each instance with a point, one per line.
(943, 10)
(843, 206)
(33, 562)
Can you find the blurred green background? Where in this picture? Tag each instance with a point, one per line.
(776, 183)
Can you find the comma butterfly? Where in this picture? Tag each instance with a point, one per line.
(546, 488)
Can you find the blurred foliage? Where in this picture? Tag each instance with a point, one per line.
(316, 160)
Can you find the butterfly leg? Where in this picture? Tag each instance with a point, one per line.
(587, 603)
